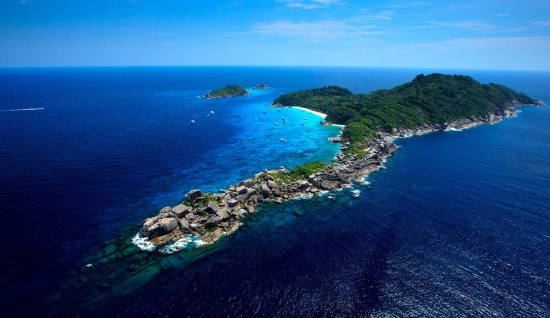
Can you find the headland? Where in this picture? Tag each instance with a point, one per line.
(428, 104)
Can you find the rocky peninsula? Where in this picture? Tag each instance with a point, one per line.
(228, 91)
(212, 215)
(414, 108)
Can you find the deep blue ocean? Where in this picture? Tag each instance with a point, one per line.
(458, 225)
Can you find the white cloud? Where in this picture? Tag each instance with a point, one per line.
(409, 5)
(385, 15)
(543, 23)
(487, 43)
(163, 33)
(309, 4)
(320, 31)
(476, 25)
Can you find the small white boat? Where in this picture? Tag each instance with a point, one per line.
(255, 118)
(283, 140)
(211, 112)
(276, 124)
(192, 121)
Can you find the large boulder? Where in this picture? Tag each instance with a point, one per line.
(180, 210)
(271, 184)
(147, 224)
(164, 210)
(212, 208)
(242, 190)
(162, 227)
(163, 239)
(265, 190)
(192, 195)
(232, 203)
(312, 179)
(330, 185)
(249, 183)
(212, 221)
(245, 196)
(184, 225)
(223, 214)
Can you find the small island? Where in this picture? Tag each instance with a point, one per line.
(430, 103)
(228, 91)
(260, 86)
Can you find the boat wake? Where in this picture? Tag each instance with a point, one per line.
(20, 109)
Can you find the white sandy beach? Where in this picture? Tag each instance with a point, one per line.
(311, 111)
(316, 113)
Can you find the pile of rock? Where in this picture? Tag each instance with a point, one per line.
(212, 215)
(196, 215)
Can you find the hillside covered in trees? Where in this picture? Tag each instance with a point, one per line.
(228, 91)
(431, 99)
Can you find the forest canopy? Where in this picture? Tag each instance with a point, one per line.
(431, 99)
(228, 91)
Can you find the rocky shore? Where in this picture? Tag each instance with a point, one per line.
(213, 96)
(460, 124)
(212, 215)
(260, 86)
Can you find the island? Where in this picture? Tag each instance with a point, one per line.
(260, 86)
(228, 91)
(370, 122)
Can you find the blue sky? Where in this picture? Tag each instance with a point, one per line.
(478, 34)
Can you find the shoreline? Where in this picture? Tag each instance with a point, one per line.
(323, 115)
(209, 216)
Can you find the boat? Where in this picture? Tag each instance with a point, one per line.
(283, 140)
(255, 118)
(211, 112)
(276, 124)
(192, 121)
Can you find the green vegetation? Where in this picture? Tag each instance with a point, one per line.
(431, 99)
(207, 198)
(189, 204)
(300, 172)
(357, 149)
(228, 91)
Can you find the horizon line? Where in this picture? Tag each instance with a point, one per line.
(271, 65)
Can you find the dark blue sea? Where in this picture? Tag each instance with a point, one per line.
(458, 225)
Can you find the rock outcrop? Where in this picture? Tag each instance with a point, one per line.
(213, 215)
